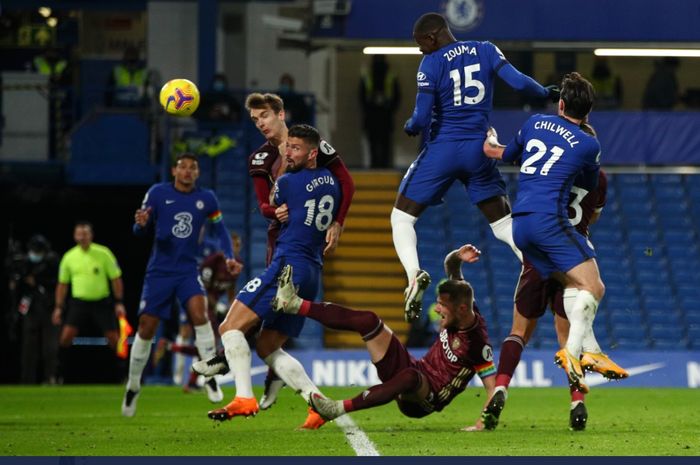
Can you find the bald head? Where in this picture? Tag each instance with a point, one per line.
(429, 23)
(431, 32)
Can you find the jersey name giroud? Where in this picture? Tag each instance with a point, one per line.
(462, 49)
(319, 181)
(446, 347)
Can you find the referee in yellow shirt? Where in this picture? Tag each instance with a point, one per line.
(89, 268)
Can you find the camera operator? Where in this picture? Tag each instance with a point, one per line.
(32, 280)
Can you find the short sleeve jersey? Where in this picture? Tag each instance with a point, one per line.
(584, 201)
(178, 218)
(461, 77)
(553, 151)
(313, 197)
(89, 271)
(454, 358)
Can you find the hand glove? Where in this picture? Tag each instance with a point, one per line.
(553, 92)
(409, 130)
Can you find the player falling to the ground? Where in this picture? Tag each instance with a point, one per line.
(419, 387)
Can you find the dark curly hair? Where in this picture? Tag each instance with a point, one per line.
(578, 95)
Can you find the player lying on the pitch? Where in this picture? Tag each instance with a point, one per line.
(422, 386)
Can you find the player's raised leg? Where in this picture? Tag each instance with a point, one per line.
(406, 245)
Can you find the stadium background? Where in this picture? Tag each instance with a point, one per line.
(647, 237)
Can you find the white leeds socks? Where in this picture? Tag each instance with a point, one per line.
(292, 372)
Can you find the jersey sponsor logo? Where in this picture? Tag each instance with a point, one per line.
(446, 347)
(199, 205)
(423, 84)
(183, 227)
(421, 76)
(168, 202)
(326, 148)
(259, 158)
(464, 15)
(487, 353)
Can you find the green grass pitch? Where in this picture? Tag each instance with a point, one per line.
(86, 421)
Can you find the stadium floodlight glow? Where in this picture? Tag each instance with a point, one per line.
(647, 52)
(52, 22)
(45, 11)
(391, 51)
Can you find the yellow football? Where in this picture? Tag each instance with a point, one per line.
(179, 97)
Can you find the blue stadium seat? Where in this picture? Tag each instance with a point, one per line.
(619, 319)
(694, 336)
(691, 317)
(670, 344)
(625, 180)
(633, 342)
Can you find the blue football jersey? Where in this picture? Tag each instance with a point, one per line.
(461, 78)
(178, 219)
(553, 152)
(313, 197)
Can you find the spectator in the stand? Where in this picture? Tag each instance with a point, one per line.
(379, 97)
(55, 66)
(608, 86)
(50, 63)
(32, 285)
(128, 82)
(218, 103)
(661, 91)
(297, 110)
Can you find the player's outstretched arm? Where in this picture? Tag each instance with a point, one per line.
(453, 261)
(489, 386)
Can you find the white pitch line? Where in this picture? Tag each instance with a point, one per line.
(357, 438)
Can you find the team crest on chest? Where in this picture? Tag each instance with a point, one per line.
(455, 344)
(199, 205)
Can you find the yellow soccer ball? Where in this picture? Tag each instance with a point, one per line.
(179, 97)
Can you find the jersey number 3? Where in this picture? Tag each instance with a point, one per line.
(324, 217)
(468, 82)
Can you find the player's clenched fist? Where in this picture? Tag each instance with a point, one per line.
(142, 215)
